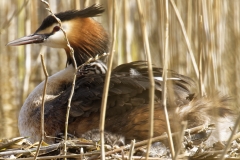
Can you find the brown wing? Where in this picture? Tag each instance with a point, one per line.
(127, 94)
(88, 93)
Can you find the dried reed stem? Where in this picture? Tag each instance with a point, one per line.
(164, 90)
(107, 81)
(200, 80)
(53, 157)
(150, 75)
(236, 136)
(74, 77)
(126, 35)
(200, 53)
(180, 139)
(186, 37)
(43, 103)
(131, 151)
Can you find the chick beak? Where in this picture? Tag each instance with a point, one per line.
(34, 38)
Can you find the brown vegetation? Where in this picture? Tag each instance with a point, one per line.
(212, 28)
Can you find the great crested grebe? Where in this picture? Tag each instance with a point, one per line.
(127, 107)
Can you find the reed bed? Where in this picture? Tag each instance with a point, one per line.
(203, 34)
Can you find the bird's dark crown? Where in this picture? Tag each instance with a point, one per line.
(91, 11)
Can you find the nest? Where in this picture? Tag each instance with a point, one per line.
(192, 145)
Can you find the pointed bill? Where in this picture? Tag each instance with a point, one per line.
(34, 38)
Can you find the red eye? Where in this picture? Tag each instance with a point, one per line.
(56, 28)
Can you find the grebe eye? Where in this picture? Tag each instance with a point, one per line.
(56, 28)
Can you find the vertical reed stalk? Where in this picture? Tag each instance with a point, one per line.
(107, 80)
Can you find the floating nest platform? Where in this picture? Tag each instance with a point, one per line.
(192, 145)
